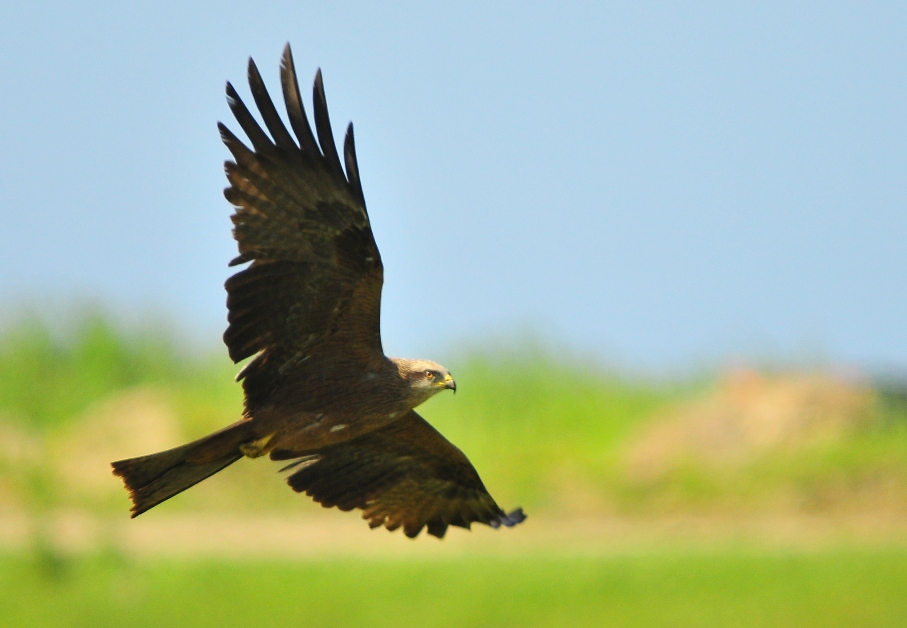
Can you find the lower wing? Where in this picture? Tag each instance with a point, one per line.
(405, 474)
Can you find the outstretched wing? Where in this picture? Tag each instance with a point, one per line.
(406, 474)
(314, 284)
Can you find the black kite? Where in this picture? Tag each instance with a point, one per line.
(319, 389)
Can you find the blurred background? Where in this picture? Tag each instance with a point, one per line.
(660, 247)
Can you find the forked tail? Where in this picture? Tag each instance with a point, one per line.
(157, 477)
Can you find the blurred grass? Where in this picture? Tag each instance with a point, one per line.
(730, 587)
(49, 376)
(542, 425)
(525, 418)
(547, 431)
(866, 472)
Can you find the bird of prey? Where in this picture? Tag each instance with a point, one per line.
(319, 390)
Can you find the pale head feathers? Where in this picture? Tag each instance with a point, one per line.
(425, 378)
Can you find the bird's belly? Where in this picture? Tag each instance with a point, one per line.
(303, 428)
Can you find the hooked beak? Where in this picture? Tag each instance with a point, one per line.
(451, 385)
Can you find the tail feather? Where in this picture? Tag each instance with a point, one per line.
(155, 478)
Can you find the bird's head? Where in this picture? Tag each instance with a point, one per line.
(425, 378)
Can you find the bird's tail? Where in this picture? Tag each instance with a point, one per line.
(157, 477)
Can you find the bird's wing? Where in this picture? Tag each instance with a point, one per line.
(314, 284)
(406, 474)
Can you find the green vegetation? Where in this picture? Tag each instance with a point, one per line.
(556, 434)
(722, 588)
(563, 438)
(538, 425)
(530, 423)
(49, 377)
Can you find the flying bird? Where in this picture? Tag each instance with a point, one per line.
(319, 391)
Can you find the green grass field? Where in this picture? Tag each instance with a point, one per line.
(547, 433)
(729, 587)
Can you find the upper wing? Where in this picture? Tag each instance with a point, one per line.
(314, 284)
(404, 474)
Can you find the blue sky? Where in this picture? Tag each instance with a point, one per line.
(653, 184)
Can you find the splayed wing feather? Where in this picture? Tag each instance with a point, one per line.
(323, 127)
(268, 112)
(260, 141)
(352, 166)
(295, 108)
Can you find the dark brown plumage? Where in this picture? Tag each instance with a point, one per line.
(318, 389)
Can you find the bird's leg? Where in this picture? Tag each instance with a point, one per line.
(256, 448)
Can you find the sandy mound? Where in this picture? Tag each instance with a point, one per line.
(127, 424)
(749, 414)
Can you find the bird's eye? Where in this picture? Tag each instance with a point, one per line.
(429, 375)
